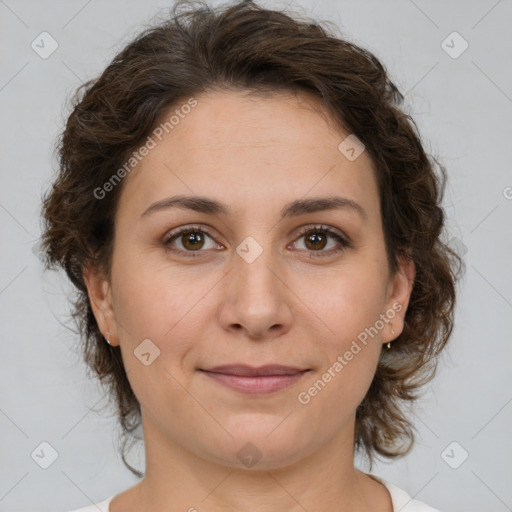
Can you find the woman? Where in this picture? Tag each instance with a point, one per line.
(253, 228)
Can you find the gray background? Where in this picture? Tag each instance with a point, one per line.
(463, 108)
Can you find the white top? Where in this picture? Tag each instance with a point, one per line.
(402, 502)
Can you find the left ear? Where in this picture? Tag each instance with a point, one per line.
(399, 293)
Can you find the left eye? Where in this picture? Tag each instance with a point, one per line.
(318, 242)
(192, 240)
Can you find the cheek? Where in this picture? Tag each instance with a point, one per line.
(349, 303)
(350, 352)
(152, 299)
(156, 336)
(169, 308)
(349, 309)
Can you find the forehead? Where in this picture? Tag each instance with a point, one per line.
(233, 144)
(256, 120)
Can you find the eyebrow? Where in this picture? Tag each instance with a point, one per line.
(292, 209)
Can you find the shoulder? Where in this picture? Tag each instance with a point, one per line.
(102, 506)
(402, 501)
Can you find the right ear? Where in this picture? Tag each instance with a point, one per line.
(100, 296)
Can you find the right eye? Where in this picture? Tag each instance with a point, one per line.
(191, 238)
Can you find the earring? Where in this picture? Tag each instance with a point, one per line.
(392, 333)
(108, 337)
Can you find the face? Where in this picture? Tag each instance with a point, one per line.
(248, 286)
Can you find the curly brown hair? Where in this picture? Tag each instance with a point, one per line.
(245, 46)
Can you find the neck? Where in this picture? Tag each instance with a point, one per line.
(179, 479)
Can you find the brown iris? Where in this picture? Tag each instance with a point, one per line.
(193, 240)
(314, 238)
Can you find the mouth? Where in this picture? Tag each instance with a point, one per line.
(250, 371)
(247, 379)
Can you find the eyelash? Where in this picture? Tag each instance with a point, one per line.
(343, 242)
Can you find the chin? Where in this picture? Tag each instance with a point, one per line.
(261, 445)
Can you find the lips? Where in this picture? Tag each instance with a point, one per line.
(256, 381)
(249, 371)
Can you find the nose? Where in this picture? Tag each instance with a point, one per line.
(256, 298)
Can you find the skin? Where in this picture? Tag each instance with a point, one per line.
(289, 306)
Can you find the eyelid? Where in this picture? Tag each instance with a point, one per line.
(176, 233)
(343, 240)
(322, 227)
